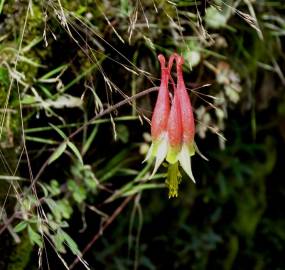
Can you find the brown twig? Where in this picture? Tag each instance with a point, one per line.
(102, 229)
(7, 222)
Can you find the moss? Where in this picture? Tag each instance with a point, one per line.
(4, 83)
(14, 16)
(21, 254)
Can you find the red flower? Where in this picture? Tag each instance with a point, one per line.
(173, 129)
(160, 116)
(162, 107)
(187, 116)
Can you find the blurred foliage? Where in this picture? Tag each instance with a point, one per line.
(71, 171)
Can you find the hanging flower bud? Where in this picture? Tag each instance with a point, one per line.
(160, 118)
(181, 130)
(173, 129)
(187, 119)
(187, 116)
(161, 110)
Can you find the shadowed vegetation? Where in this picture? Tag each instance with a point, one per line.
(78, 83)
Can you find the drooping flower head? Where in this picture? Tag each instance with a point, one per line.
(181, 130)
(173, 126)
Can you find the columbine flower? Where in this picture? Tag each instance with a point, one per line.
(160, 117)
(173, 129)
(181, 133)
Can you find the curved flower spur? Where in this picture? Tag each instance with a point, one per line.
(172, 128)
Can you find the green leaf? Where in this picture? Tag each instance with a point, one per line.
(44, 188)
(58, 240)
(20, 226)
(1, 5)
(59, 131)
(54, 187)
(91, 181)
(54, 209)
(115, 164)
(78, 192)
(65, 208)
(40, 140)
(35, 237)
(89, 178)
(70, 243)
(89, 141)
(75, 151)
(57, 153)
(4, 75)
(53, 72)
(141, 187)
(79, 195)
(215, 18)
(123, 133)
(46, 91)
(28, 99)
